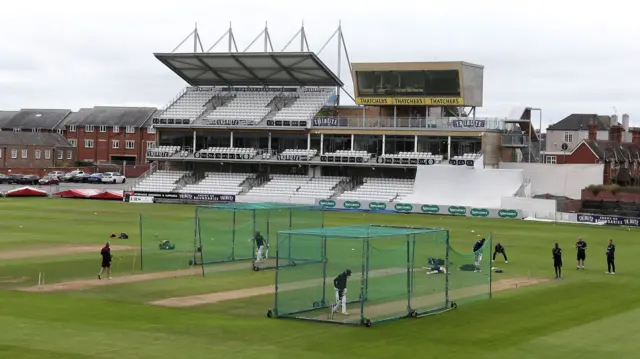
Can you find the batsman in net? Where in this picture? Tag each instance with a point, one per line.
(262, 247)
(340, 288)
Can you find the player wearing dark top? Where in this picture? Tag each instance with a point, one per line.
(105, 252)
(581, 246)
(611, 260)
(500, 249)
(340, 288)
(557, 260)
(260, 242)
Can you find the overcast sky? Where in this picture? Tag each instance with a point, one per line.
(564, 56)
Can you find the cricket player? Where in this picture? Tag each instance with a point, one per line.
(260, 243)
(340, 288)
(436, 270)
(105, 252)
(500, 249)
(477, 250)
(611, 261)
(557, 260)
(581, 246)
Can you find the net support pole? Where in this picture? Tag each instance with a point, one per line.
(141, 267)
(195, 235)
(253, 242)
(268, 224)
(364, 281)
(199, 229)
(490, 269)
(446, 278)
(409, 273)
(289, 242)
(324, 270)
(275, 297)
(367, 262)
(233, 236)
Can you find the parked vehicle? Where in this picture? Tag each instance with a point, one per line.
(56, 174)
(81, 177)
(95, 178)
(4, 178)
(15, 178)
(69, 177)
(29, 179)
(49, 180)
(113, 177)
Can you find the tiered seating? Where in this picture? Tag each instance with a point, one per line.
(188, 106)
(414, 158)
(160, 181)
(318, 187)
(297, 155)
(235, 153)
(380, 189)
(468, 159)
(218, 183)
(346, 156)
(305, 108)
(246, 108)
(163, 151)
(280, 186)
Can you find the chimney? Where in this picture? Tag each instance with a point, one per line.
(593, 131)
(635, 136)
(614, 120)
(615, 133)
(625, 125)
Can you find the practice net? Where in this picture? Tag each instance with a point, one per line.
(226, 232)
(396, 272)
(166, 243)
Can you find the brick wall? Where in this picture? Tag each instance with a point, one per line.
(36, 156)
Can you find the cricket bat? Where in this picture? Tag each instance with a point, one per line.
(266, 254)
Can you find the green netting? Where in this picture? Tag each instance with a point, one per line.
(470, 277)
(225, 232)
(396, 272)
(165, 242)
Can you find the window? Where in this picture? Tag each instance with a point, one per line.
(24, 154)
(69, 155)
(88, 128)
(73, 142)
(14, 154)
(60, 154)
(0, 153)
(88, 143)
(72, 128)
(130, 145)
(568, 137)
(131, 129)
(151, 144)
(60, 132)
(115, 144)
(47, 154)
(35, 130)
(151, 130)
(116, 129)
(552, 160)
(38, 154)
(103, 128)
(17, 129)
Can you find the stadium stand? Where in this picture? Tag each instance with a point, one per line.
(414, 156)
(160, 181)
(467, 156)
(188, 106)
(380, 189)
(219, 183)
(246, 108)
(305, 108)
(227, 153)
(346, 156)
(297, 155)
(283, 186)
(319, 187)
(163, 151)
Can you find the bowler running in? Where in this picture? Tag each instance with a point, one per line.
(340, 288)
(260, 245)
(581, 246)
(105, 252)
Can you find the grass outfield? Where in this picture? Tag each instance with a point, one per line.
(587, 315)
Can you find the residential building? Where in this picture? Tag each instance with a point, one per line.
(32, 120)
(111, 134)
(621, 158)
(575, 128)
(34, 150)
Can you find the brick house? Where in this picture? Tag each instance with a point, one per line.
(32, 120)
(111, 134)
(621, 159)
(34, 150)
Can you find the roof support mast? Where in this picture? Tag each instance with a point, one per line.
(341, 46)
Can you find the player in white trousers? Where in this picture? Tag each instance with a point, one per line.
(260, 246)
(340, 288)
